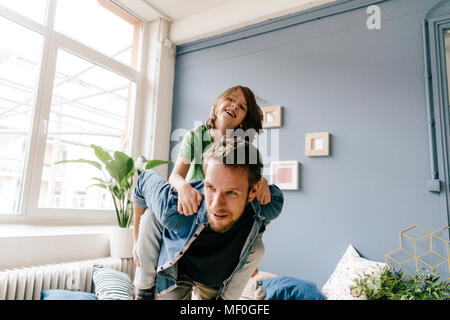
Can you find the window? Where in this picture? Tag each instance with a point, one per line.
(34, 10)
(436, 31)
(69, 78)
(447, 56)
(105, 27)
(19, 61)
(89, 106)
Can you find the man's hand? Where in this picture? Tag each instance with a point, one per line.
(135, 257)
(189, 199)
(264, 192)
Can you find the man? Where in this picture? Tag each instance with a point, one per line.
(205, 252)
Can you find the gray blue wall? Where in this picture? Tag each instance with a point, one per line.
(367, 89)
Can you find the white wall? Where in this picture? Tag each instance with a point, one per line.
(29, 245)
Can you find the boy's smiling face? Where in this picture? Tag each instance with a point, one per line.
(231, 111)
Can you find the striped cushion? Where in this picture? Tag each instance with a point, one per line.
(111, 284)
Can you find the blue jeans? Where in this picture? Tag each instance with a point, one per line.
(148, 249)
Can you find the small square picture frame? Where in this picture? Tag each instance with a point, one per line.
(317, 144)
(272, 117)
(284, 174)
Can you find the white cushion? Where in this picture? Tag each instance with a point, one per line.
(350, 266)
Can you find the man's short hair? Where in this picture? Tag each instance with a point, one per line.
(236, 152)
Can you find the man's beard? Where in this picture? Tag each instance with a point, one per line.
(220, 227)
(217, 226)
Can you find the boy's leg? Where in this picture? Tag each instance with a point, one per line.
(183, 291)
(202, 292)
(188, 289)
(240, 279)
(148, 249)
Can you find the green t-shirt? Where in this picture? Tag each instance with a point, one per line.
(195, 142)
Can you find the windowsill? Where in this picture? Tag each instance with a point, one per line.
(53, 218)
(31, 244)
(8, 230)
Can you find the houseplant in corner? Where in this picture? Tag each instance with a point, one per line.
(118, 172)
(392, 284)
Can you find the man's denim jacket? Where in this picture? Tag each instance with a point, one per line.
(179, 231)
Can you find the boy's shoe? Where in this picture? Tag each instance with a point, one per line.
(145, 294)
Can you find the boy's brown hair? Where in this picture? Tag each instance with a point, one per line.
(254, 117)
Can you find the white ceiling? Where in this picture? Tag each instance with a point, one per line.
(196, 19)
(179, 9)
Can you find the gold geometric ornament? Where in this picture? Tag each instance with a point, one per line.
(420, 249)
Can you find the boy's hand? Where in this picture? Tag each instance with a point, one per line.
(189, 199)
(264, 192)
(135, 257)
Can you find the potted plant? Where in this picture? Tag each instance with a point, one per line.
(118, 172)
(391, 284)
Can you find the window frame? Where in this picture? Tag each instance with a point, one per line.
(436, 23)
(34, 156)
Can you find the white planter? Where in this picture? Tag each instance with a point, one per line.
(121, 243)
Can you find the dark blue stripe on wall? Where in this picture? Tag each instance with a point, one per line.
(316, 13)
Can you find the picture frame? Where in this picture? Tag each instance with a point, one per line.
(317, 144)
(284, 174)
(272, 116)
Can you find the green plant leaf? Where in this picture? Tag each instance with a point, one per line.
(117, 167)
(120, 166)
(100, 180)
(116, 192)
(130, 168)
(113, 171)
(154, 163)
(118, 155)
(101, 154)
(93, 163)
(101, 185)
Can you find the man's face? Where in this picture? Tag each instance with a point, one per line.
(226, 194)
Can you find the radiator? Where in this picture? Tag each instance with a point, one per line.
(27, 283)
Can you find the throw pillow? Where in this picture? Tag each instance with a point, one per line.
(55, 294)
(111, 284)
(289, 288)
(350, 266)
